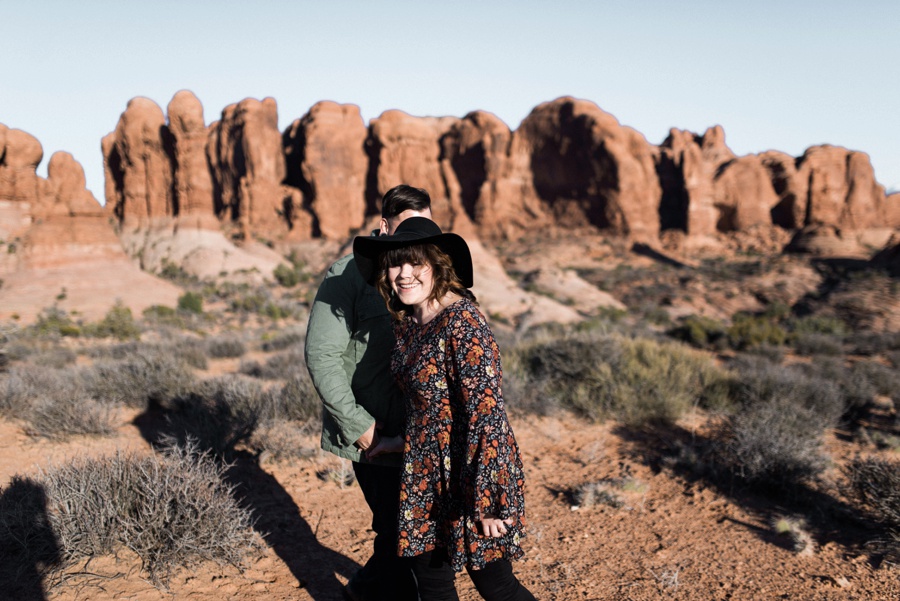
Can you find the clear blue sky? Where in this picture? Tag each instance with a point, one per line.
(781, 75)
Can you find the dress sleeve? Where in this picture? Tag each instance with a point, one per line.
(492, 477)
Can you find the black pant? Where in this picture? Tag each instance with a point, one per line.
(385, 576)
(495, 582)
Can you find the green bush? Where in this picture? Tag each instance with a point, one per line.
(633, 380)
(286, 276)
(747, 331)
(818, 324)
(699, 331)
(118, 323)
(54, 322)
(191, 302)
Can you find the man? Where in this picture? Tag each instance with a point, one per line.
(349, 342)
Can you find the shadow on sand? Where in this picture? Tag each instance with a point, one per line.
(277, 518)
(28, 545)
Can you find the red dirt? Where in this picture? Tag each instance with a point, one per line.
(673, 538)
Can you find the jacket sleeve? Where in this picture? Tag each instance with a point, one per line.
(492, 474)
(331, 324)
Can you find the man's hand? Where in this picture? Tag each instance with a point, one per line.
(495, 527)
(368, 438)
(385, 444)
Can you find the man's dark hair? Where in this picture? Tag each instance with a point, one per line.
(404, 198)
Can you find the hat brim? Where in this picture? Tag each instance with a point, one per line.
(366, 251)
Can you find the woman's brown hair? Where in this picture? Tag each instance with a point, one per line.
(445, 278)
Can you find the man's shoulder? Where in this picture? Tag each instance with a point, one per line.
(340, 266)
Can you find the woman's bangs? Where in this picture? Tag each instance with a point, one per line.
(414, 255)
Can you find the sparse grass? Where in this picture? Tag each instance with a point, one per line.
(608, 491)
(341, 474)
(796, 531)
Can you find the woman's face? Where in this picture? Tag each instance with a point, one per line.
(412, 283)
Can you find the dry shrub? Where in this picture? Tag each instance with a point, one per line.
(53, 404)
(814, 343)
(603, 376)
(775, 437)
(150, 374)
(172, 510)
(283, 441)
(54, 358)
(187, 349)
(277, 367)
(217, 413)
(873, 343)
(874, 483)
(297, 400)
(226, 346)
(283, 340)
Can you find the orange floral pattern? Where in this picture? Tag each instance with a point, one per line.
(460, 459)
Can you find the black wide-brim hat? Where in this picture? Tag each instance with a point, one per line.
(411, 232)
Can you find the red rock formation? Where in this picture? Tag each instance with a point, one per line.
(193, 182)
(688, 166)
(790, 211)
(743, 195)
(892, 210)
(248, 165)
(141, 171)
(407, 150)
(840, 188)
(477, 148)
(572, 164)
(22, 192)
(326, 159)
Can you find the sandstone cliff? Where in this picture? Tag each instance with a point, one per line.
(568, 165)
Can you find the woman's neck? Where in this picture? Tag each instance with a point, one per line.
(428, 310)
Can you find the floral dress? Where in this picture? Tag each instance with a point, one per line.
(460, 458)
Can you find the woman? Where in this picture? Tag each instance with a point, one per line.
(461, 493)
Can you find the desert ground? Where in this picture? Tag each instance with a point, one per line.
(663, 531)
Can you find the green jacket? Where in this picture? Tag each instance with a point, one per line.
(349, 342)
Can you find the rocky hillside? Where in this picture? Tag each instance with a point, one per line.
(180, 190)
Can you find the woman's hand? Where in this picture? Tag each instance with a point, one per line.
(385, 444)
(495, 527)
